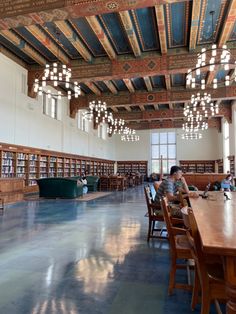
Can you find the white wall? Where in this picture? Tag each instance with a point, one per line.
(22, 121)
(209, 147)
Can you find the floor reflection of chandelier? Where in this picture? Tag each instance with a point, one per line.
(212, 59)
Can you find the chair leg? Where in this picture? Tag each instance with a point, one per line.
(196, 289)
(172, 276)
(149, 230)
(205, 306)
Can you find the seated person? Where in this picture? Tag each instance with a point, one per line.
(84, 181)
(169, 188)
(226, 184)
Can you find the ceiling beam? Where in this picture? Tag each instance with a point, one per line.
(159, 10)
(13, 57)
(156, 107)
(130, 67)
(128, 108)
(24, 46)
(228, 23)
(148, 83)
(102, 37)
(167, 80)
(34, 12)
(130, 32)
(48, 43)
(195, 20)
(129, 85)
(144, 125)
(226, 31)
(157, 97)
(165, 114)
(111, 87)
(93, 88)
(74, 40)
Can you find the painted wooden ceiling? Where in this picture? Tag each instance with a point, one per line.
(103, 48)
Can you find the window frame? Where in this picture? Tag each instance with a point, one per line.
(161, 143)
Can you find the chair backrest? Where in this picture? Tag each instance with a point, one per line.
(197, 252)
(169, 225)
(147, 192)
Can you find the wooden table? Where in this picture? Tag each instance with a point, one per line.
(216, 220)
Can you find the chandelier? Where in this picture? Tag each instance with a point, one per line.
(191, 136)
(129, 135)
(212, 59)
(116, 126)
(201, 106)
(194, 125)
(98, 112)
(59, 76)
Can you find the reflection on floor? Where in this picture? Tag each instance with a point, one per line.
(69, 257)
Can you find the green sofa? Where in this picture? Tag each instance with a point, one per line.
(59, 187)
(92, 182)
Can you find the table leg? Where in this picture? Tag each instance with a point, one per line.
(230, 272)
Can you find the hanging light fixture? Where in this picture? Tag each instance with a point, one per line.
(194, 125)
(57, 75)
(116, 126)
(191, 136)
(98, 112)
(201, 107)
(129, 135)
(212, 59)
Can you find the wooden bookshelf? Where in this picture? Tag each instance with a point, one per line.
(29, 164)
(232, 164)
(198, 166)
(220, 165)
(125, 167)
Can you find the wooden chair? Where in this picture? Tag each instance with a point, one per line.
(113, 183)
(179, 247)
(209, 278)
(154, 215)
(104, 183)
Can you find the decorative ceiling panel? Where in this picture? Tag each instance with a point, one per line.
(35, 43)
(120, 85)
(102, 86)
(138, 83)
(158, 81)
(112, 26)
(145, 25)
(16, 50)
(65, 42)
(85, 88)
(208, 31)
(88, 36)
(177, 23)
(178, 80)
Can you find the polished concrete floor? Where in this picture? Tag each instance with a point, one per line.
(70, 257)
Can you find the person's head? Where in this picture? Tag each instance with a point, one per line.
(176, 172)
(229, 177)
